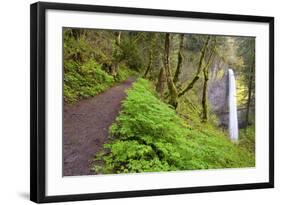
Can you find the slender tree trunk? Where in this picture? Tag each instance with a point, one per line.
(115, 65)
(250, 84)
(204, 94)
(205, 85)
(204, 101)
(149, 63)
(153, 39)
(180, 59)
(161, 81)
(196, 77)
(171, 86)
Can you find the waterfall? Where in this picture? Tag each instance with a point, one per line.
(233, 121)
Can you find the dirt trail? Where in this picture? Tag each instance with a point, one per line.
(86, 128)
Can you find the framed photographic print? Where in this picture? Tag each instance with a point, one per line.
(129, 102)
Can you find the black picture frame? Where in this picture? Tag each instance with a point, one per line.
(38, 101)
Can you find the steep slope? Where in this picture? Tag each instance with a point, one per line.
(149, 136)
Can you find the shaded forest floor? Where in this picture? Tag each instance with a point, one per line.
(86, 126)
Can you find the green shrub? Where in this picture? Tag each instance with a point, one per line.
(84, 75)
(124, 73)
(88, 79)
(81, 81)
(130, 54)
(247, 138)
(76, 49)
(149, 136)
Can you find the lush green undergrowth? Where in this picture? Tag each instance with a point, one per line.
(247, 138)
(84, 73)
(84, 80)
(149, 136)
(89, 79)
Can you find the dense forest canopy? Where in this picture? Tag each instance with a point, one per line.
(175, 115)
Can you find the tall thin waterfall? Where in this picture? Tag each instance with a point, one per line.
(233, 120)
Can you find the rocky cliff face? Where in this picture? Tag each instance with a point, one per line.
(218, 91)
(218, 94)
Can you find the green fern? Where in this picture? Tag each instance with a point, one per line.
(148, 136)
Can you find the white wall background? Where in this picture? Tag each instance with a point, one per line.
(14, 100)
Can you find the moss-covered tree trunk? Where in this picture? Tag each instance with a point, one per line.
(180, 59)
(149, 65)
(250, 85)
(205, 84)
(152, 39)
(161, 81)
(116, 54)
(204, 96)
(199, 68)
(171, 86)
(204, 100)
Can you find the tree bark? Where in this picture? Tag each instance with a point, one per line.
(161, 81)
(115, 66)
(196, 77)
(149, 65)
(205, 86)
(180, 59)
(204, 101)
(171, 86)
(152, 39)
(250, 84)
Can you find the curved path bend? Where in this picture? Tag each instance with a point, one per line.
(85, 128)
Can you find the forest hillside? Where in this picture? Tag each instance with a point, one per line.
(175, 115)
